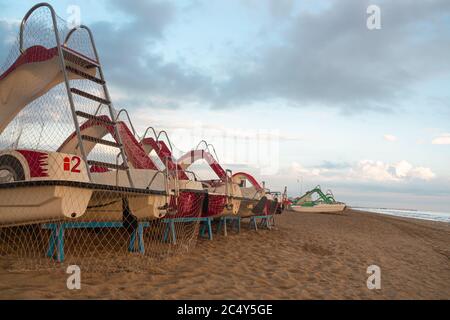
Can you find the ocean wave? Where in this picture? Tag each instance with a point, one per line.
(416, 214)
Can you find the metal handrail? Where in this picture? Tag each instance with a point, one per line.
(167, 137)
(193, 174)
(206, 144)
(91, 38)
(154, 177)
(146, 130)
(28, 14)
(98, 108)
(157, 135)
(214, 150)
(207, 148)
(128, 117)
(166, 185)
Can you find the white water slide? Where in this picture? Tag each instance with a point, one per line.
(35, 72)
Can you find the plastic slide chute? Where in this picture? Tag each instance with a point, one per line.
(192, 156)
(36, 71)
(94, 130)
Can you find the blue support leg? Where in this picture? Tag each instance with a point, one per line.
(225, 233)
(219, 227)
(202, 228)
(60, 243)
(52, 242)
(141, 238)
(210, 229)
(166, 232)
(132, 242)
(172, 227)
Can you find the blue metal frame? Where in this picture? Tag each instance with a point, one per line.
(233, 220)
(170, 227)
(56, 242)
(265, 221)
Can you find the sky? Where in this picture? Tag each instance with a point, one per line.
(297, 92)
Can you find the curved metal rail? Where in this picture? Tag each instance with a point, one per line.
(128, 117)
(99, 107)
(167, 137)
(146, 131)
(207, 148)
(166, 183)
(193, 174)
(27, 16)
(202, 141)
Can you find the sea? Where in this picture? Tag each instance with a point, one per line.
(406, 213)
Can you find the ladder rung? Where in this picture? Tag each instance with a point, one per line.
(84, 75)
(96, 118)
(101, 141)
(107, 165)
(89, 96)
(78, 58)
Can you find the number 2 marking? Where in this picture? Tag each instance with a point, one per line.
(68, 163)
(77, 164)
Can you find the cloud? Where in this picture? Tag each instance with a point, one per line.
(334, 165)
(324, 57)
(442, 139)
(142, 76)
(8, 33)
(390, 137)
(400, 171)
(330, 58)
(278, 9)
(314, 60)
(367, 170)
(281, 8)
(148, 17)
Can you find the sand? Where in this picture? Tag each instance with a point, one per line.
(306, 256)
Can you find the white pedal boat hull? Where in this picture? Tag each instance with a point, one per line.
(47, 191)
(44, 203)
(327, 208)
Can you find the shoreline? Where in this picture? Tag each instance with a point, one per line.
(405, 213)
(306, 256)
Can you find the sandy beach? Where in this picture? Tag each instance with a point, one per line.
(306, 256)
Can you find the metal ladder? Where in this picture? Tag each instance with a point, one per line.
(68, 55)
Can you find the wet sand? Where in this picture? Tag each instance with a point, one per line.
(306, 256)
